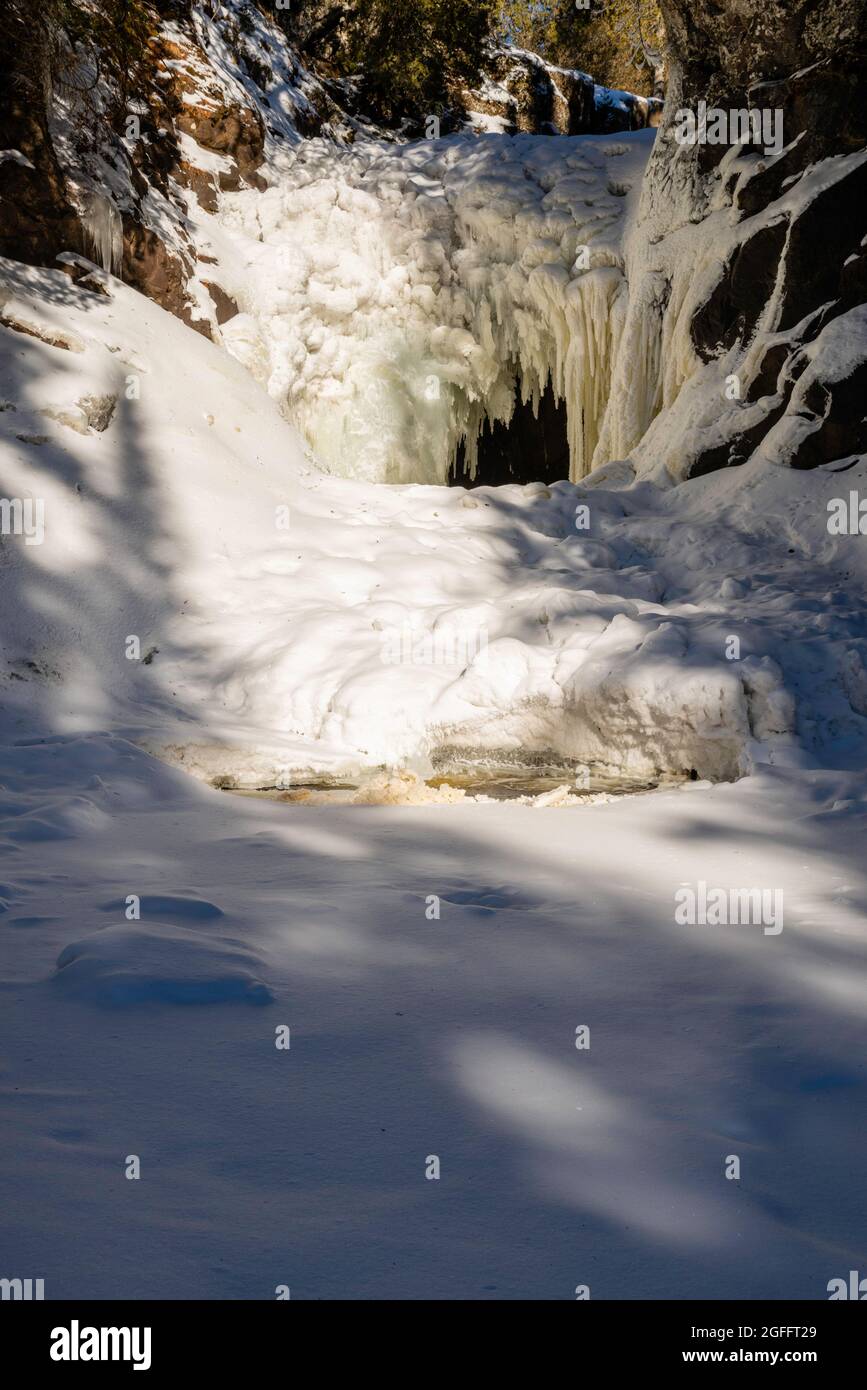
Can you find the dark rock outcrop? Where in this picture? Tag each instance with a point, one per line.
(224, 304)
(37, 218)
(153, 269)
(529, 95)
(840, 407)
(733, 309)
(795, 264)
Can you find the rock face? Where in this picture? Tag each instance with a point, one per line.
(36, 216)
(202, 127)
(200, 108)
(523, 93)
(753, 255)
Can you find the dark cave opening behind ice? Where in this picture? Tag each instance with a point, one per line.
(532, 447)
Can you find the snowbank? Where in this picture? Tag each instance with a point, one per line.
(201, 587)
(266, 1138)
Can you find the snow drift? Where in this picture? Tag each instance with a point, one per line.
(203, 588)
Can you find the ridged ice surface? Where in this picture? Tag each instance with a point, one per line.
(396, 297)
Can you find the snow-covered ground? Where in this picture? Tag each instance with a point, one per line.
(413, 1037)
(181, 577)
(203, 587)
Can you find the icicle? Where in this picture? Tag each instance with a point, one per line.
(103, 230)
(636, 382)
(595, 303)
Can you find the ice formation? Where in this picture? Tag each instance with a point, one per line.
(103, 231)
(665, 396)
(385, 625)
(397, 297)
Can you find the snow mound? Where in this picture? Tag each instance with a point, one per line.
(484, 901)
(171, 905)
(251, 619)
(160, 963)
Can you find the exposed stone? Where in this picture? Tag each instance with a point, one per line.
(822, 239)
(195, 105)
(232, 131)
(810, 63)
(150, 267)
(53, 337)
(723, 48)
(841, 407)
(98, 411)
(732, 311)
(764, 383)
(532, 96)
(615, 110)
(202, 183)
(88, 415)
(739, 446)
(224, 304)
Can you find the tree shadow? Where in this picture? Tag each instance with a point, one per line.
(416, 1036)
(107, 568)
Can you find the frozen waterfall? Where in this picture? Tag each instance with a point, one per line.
(398, 297)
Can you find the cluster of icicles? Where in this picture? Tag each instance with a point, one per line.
(398, 299)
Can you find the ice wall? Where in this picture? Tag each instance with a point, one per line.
(396, 297)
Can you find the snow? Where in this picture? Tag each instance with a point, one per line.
(413, 1036)
(490, 125)
(119, 966)
(16, 157)
(288, 621)
(396, 297)
(251, 574)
